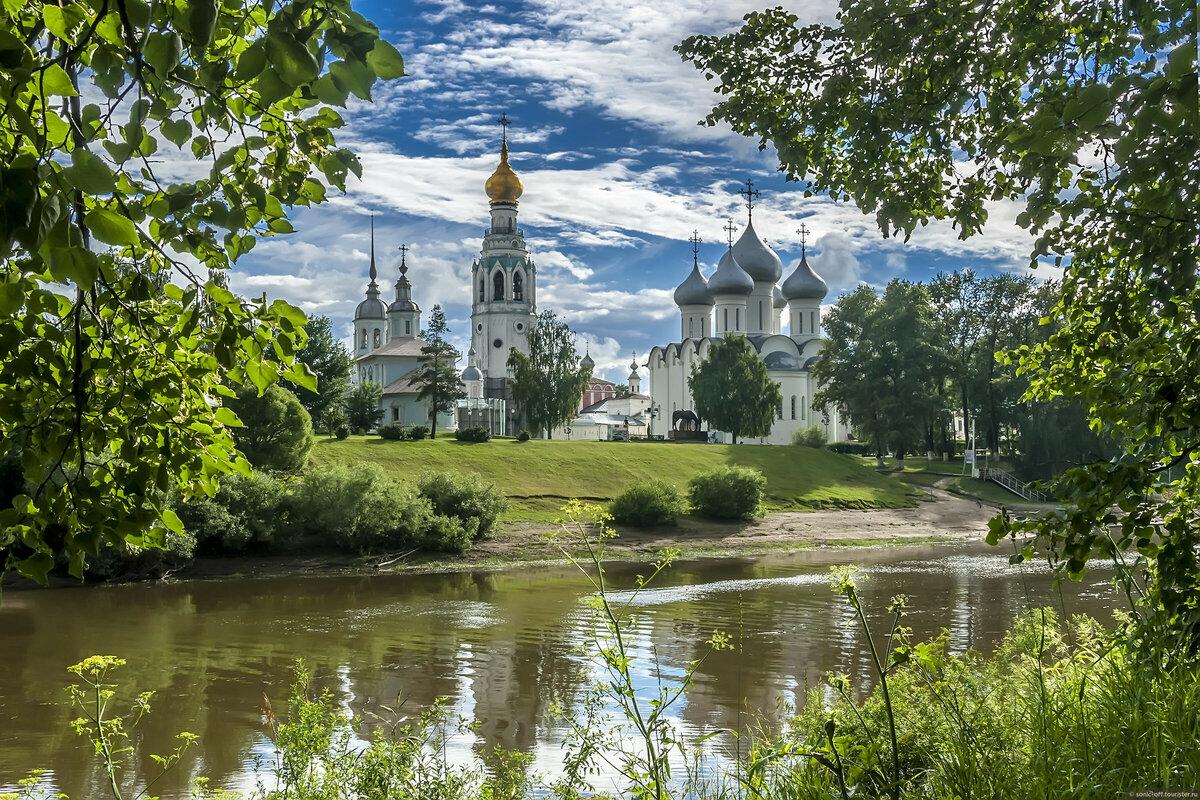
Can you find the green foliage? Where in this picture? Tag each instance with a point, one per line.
(110, 373)
(392, 432)
(436, 378)
(647, 504)
(418, 432)
(727, 493)
(249, 512)
(276, 432)
(810, 436)
(329, 361)
(342, 432)
(476, 435)
(449, 534)
(881, 363)
(549, 382)
(1087, 120)
(850, 448)
(733, 392)
(523, 436)
(363, 409)
(465, 497)
(358, 509)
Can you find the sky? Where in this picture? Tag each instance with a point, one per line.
(617, 174)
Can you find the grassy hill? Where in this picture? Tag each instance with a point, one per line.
(540, 475)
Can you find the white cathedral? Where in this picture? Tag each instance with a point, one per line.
(741, 297)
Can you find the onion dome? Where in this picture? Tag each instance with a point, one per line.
(587, 361)
(472, 373)
(403, 301)
(804, 284)
(754, 256)
(730, 278)
(504, 186)
(694, 290)
(633, 368)
(777, 296)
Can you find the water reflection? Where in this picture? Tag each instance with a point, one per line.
(501, 646)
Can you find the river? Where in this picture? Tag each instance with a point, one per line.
(500, 645)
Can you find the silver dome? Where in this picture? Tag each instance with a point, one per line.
(754, 256)
(472, 373)
(403, 305)
(777, 296)
(804, 284)
(730, 278)
(371, 308)
(587, 361)
(693, 291)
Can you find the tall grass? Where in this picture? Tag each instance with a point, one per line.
(1063, 709)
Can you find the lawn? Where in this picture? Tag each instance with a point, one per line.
(539, 475)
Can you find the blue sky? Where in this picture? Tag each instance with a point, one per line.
(617, 173)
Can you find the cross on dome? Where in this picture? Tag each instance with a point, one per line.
(504, 123)
(803, 231)
(695, 240)
(751, 194)
(403, 252)
(729, 228)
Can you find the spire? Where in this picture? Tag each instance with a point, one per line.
(751, 194)
(374, 273)
(403, 265)
(504, 186)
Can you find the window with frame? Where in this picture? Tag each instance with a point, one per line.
(498, 285)
(518, 287)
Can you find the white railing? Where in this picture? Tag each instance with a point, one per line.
(1017, 486)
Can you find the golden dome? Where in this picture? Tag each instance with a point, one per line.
(504, 186)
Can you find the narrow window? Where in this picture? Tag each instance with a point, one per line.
(691, 327)
(737, 319)
(803, 408)
(482, 296)
(793, 406)
(781, 408)
(498, 285)
(761, 323)
(518, 287)
(408, 327)
(395, 413)
(726, 327)
(375, 338)
(364, 338)
(812, 322)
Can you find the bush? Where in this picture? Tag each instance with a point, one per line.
(472, 435)
(248, 512)
(851, 448)
(342, 432)
(277, 432)
(361, 510)
(645, 505)
(811, 436)
(523, 436)
(418, 432)
(727, 493)
(392, 432)
(449, 534)
(127, 561)
(464, 497)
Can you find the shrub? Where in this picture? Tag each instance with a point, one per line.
(465, 497)
(342, 432)
(248, 512)
(392, 432)
(472, 435)
(811, 436)
(727, 493)
(645, 505)
(418, 432)
(449, 534)
(277, 431)
(361, 510)
(523, 436)
(851, 448)
(126, 560)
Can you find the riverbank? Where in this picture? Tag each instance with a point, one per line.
(940, 517)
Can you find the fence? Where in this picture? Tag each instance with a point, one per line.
(1016, 486)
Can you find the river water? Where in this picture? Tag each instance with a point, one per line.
(502, 646)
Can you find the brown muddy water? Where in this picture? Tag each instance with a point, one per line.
(502, 646)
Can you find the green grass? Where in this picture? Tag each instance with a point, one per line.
(539, 475)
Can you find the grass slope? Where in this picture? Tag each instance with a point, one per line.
(539, 475)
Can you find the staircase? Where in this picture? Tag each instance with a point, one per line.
(1016, 486)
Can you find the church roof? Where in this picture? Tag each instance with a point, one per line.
(777, 296)
(404, 346)
(371, 308)
(804, 283)
(730, 278)
(755, 257)
(402, 385)
(694, 290)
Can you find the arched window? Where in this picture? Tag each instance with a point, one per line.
(408, 327)
(364, 338)
(793, 406)
(726, 327)
(812, 322)
(482, 296)
(497, 285)
(518, 287)
(737, 319)
(375, 338)
(691, 327)
(803, 408)
(800, 320)
(762, 319)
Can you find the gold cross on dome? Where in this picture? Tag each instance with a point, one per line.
(504, 123)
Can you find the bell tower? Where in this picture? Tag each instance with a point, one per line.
(503, 280)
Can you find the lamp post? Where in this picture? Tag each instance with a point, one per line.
(654, 409)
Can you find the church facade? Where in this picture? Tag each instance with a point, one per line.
(743, 297)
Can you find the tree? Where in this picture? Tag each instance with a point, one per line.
(107, 386)
(276, 433)
(436, 376)
(1085, 117)
(732, 390)
(881, 364)
(549, 382)
(330, 363)
(957, 312)
(364, 407)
